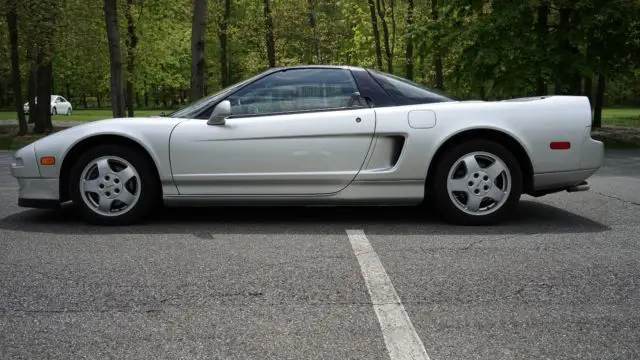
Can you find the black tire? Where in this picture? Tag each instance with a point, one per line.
(149, 190)
(54, 111)
(437, 189)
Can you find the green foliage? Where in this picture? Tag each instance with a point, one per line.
(489, 48)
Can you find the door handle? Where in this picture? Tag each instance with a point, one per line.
(358, 120)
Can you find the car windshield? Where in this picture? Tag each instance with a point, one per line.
(407, 92)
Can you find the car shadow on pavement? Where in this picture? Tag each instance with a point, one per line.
(531, 218)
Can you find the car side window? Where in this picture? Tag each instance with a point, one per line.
(295, 90)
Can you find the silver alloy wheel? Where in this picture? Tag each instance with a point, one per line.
(110, 186)
(479, 183)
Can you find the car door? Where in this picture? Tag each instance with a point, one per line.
(290, 133)
(64, 105)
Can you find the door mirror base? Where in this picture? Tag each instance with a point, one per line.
(220, 113)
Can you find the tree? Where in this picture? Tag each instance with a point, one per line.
(40, 28)
(408, 57)
(270, 40)
(376, 33)
(12, 19)
(542, 30)
(438, 55)
(223, 29)
(314, 29)
(132, 42)
(381, 6)
(113, 35)
(197, 49)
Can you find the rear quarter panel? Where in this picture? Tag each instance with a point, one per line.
(533, 122)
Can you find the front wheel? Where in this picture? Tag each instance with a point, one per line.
(69, 112)
(113, 185)
(478, 182)
(54, 111)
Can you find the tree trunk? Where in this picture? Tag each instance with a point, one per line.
(43, 92)
(68, 91)
(198, 64)
(32, 93)
(563, 68)
(271, 43)
(12, 19)
(376, 33)
(224, 38)
(599, 103)
(408, 56)
(314, 30)
(483, 93)
(146, 99)
(588, 89)
(422, 53)
(132, 42)
(385, 33)
(392, 6)
(84, 100)
(2, 99)
(113, 35)
(542, 29)
(438, 54)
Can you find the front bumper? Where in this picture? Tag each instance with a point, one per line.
(34, 189)
(39, 189)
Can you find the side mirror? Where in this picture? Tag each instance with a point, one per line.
(220, 113)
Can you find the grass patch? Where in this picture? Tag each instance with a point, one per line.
(85, 115)
(621, 117)
(12, 143)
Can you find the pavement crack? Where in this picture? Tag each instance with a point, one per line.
(618, 198)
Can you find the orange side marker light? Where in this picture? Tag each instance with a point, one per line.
(47, 160)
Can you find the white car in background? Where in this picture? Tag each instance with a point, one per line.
(59, 105)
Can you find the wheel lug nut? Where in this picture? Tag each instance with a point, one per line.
(476, 191)
(106, 177)
(470, 183)
(486, 178)
(476, 175)
(117, 191)
(108, 193)
(101, 186)
(116, 180)
(486, 187)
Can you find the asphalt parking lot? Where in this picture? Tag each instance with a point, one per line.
(559, 281)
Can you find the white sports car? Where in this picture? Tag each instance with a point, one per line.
(311, 135)
(59, 105)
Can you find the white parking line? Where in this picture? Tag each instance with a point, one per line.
(400, 336)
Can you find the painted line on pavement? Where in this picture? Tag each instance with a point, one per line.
(400, 336)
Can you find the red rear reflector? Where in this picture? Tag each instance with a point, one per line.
(560, 145)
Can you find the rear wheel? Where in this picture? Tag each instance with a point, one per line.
(113, 185)
(478, 182)
(69, 112)
(54, 111)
